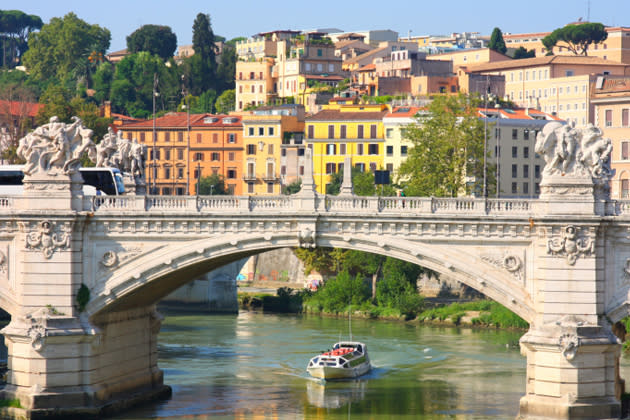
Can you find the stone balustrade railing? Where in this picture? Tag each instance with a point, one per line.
(324, 204)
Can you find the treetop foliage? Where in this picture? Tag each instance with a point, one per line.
(15, 26)
(497, 43)
(576, 37)
(156, 39)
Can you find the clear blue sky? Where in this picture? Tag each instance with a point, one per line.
(246, 17)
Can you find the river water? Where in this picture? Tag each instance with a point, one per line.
(252, 366)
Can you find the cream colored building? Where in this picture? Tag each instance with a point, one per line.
(557, 85)
(611, 107)
(396, 143)
(616, 47)
(469, 57)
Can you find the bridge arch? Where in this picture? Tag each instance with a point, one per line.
(157, 274)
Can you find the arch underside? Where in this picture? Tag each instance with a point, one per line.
(156, 274)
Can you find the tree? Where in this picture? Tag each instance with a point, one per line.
(496, 41)
(447, 148)
(522, 52)
(226, 102)
(155, 39)
(63, 45)
(16, 108)
(102, 79)
(212, 185)
(200, 69)
(15, 27)
(576, 38)
(226, 70)
(292, 188)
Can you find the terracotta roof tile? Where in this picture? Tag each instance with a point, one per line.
(20, 108)
(180, 120)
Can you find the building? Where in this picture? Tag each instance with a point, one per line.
(373, 38)
(354, 131)
(396, 143)
(273, 151)
(254, 84)
(511, 149)
(557, 85)
(616, 47)
(187, 147)
(610, 97)
(262, 45)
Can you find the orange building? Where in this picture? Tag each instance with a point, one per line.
(186, 147)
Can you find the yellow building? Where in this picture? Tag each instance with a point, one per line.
(265, 131)
(396, 144)
(354, 131)
(469, 57)
(611, 103)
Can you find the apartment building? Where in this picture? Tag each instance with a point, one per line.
(187, 147)
(271, 137)
(611, 102)
(616, 47)
(397, 144)
(553, 84)
(262, 45)
(511, 149)
(469, 57)
(254, 84)
(354, 131)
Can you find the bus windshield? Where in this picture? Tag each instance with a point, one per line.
(107, 180)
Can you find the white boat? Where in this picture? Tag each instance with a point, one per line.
(347, 359)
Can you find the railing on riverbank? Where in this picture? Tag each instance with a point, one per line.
(298, 204)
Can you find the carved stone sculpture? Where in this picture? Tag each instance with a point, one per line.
(46, 239)
(117, 152)
(570, 245)
(56, 148)
(571, 151)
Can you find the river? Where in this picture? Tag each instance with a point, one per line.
(252, 366)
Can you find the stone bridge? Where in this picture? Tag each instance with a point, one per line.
(81, 276)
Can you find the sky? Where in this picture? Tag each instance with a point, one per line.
(246, 17)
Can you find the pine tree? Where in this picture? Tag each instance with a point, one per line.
(496, 41)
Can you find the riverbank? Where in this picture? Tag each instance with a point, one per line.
(481, 313)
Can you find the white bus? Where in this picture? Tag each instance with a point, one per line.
(98, 181)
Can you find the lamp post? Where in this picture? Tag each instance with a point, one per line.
(485, 140)
(187, 105)
(198, 176)
(154, 154)
(497, 137)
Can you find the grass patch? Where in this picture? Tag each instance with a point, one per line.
(492, 314)
(15, 403)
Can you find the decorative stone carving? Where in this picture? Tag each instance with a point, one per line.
(3, 263)
(47, 239)
(110, 259)
(128, 156)
(38, 334)
(626, 269)
(570, 245)
(569, 344)
(568, 150)
(56, 148)
(510, 262)
(306, 238)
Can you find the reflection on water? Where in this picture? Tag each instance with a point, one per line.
(253, 366)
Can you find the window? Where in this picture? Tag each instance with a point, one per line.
(403, 150)
(166, 191)
(167, 136)
(269, 187)
(231, 173)
(372, 166)
(373, 131)
(389, 150)
(624, 117)
(514, 171)
(330, 168)
(270, 149)
(250, 187)
(250, 131)
(270, 130)
(216, 156)
(625, 188)
(514, 188)
(525, 171)
(568, 73)
(526, 134)
(537, 171)
(514, 152)
(342, 149)
(196, 174)
(609, 118)
(624, 150)
(359, 149)
(232, 138)
(319, 52)
(261, 131)
(331, 68)
(360, 131)
(331, 149)
(389, 132)
(142, 137)
(231, 156)
(301, 171)
(251, 149)
(514, 134)
(199, 157)
(525, 188)
(311, 131)
(342, 132)
(372, 149)
(331, 131)
(526, 152)
(167, 173)
(360, 167)
(389, 167)
(180, 136)
(167, 154)
(180, 173)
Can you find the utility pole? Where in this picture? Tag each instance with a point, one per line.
(154, 154)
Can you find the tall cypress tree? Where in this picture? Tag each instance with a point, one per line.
(203, 38)
(496, 41)
(201, 68)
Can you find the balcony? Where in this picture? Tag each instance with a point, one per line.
(249, 177)
(269, 177)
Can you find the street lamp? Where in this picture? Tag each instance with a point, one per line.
(497, 136)
(187, 106)
(154, 154)
(198, 175)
